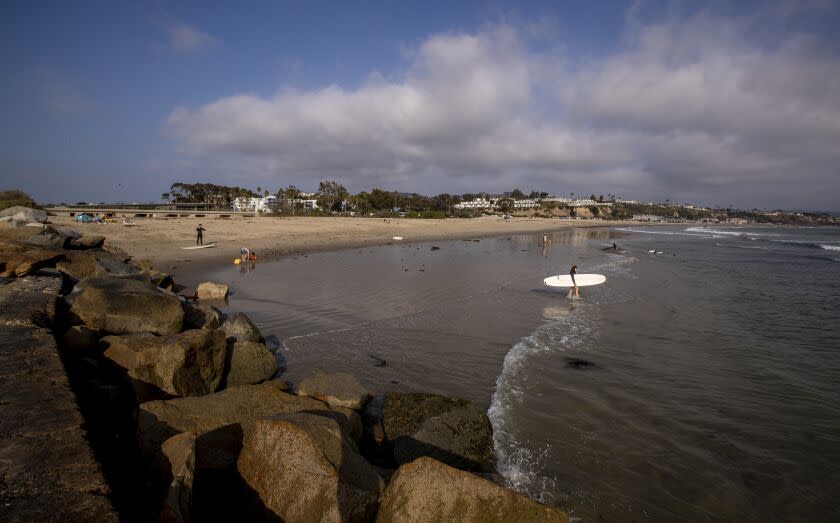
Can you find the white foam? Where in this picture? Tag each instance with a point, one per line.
(521, 462)
(709, 230)
(830, 247)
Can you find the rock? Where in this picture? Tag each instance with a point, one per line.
(87, 241)
(428, 490)
(110, 266)
(117, 253)
(70, 234)
(161, 279)
(207, 290)
(305, 469)
(241, 328)
(249, 363)
(187, 364)
(126, 305)
(47, 241)
(201, 316)
(220, 419)
(25, 214)
(20, 264)
(339, 389)
(29, 302)
(178, 463)
(451, 430)
(12, 246)
(80, 339)
(84, 264)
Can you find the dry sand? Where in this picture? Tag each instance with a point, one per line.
(162, 240)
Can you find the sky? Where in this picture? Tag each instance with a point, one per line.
(719, 103)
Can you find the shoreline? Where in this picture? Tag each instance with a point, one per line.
(162, 240)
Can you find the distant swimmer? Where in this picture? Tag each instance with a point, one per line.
(574, 286)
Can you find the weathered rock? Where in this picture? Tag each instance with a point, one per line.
(451, 430)
(29, 302)
(249, 363)
(208, 290)
(178, 456)
(305, 469)
(87, 241)
(79, 339)
(47, 241)
(110, 266)
(220, 419)
(84, 264)
(7, 245)
(201, 316)
(117, 253)
(241, 328)
(47, 470)
(126, 305)
(339, 389)
(161, 279)
(428, 490)
(187, 364)
(20, 264)
(25, 214)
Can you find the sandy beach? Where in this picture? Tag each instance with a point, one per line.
(162, 240)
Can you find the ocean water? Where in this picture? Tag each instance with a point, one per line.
(698, 383)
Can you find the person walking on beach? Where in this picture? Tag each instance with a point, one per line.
(199, 235)
(574, 286)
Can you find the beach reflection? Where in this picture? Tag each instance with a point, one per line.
(558, 312)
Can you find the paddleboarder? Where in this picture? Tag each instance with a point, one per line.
(199, 235)
(574, 286)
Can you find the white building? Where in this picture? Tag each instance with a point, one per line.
(647, 218)
(310, 204)
(255, 204)
(478, 203)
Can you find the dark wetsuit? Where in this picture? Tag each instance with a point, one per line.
(572, 274)
(199, 235)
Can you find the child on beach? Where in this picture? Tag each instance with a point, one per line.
(246, 253)
(574, 286)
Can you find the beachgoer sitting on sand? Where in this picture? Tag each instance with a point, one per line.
(245, 252)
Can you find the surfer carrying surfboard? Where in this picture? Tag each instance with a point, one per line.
(199, 235)
(574, 286)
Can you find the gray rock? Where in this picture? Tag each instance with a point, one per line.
(201, 316)
(305, 469)
(451, 430)
(178, 462)
(29, 302)
(187, 364)
(25, 214)
(249, 363)
(207, 290)
(428, 490)
(48, 241)
(126, 305)
(339, 389)
(87, 241)
(241, 328)
(220, 419)
(110, 266)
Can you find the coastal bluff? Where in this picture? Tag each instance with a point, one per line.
(125, 399)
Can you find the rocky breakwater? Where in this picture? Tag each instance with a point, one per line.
(186, 423)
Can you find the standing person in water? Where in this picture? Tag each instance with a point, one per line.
(199, 235)
(574, 286)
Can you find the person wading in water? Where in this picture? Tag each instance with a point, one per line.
(574, 287)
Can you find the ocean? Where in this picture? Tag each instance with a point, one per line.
(700, 382)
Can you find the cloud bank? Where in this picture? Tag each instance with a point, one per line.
(685, 108)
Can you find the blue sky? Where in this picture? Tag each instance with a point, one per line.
(718, 103)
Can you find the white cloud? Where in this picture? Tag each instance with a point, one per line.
(686, 108)
(186, 38)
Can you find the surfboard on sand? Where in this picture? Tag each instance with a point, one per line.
(582, 280)
(205, 246)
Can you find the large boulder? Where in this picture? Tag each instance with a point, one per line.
(86, 241)
(220, 419)
(187, 364)
(241, 328)
(208, 290)
(126, 305)
(249, 363)
(201, 316)
(451, 430)
(305, 469)
(25, 214)
(96, 262)
(79, 339)
(177, 464)
(48, 241)
(339, 389)
(428, 490)
(19, 264)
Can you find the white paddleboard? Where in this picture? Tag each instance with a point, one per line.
(206, 246)
(582, 280)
